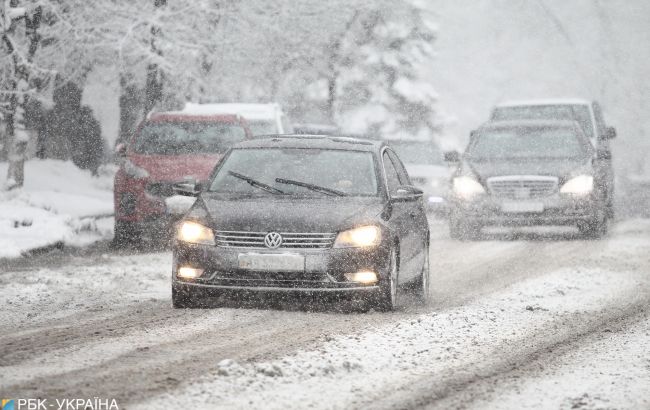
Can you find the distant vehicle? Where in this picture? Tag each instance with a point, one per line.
(263, 119)
(166, 149)
(427, 169)
(529, 173)
(587, 113)
(316, 129)
(304, 214)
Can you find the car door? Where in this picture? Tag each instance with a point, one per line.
(416, 222)
(604, 169)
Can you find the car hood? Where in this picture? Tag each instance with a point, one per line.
(267, 214)
(560, 168)
(176, 167)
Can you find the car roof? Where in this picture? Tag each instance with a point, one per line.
(310, 141)
(546, 101)
(248, 111)
(530, 124)
(176, 116)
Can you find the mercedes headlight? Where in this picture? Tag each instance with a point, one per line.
(467, 187)
(193, 232)
(360, 237)
(580, 185)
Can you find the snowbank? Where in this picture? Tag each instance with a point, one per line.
(59, 204)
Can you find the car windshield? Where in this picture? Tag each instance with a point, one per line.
(417, 152)
(175, 138)
(575, 112)
(263, 127)
(525, 142)
(296, 171)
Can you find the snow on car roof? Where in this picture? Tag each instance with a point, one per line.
(248, 111)
(549, 101)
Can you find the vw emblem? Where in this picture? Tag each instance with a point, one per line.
(273, 240)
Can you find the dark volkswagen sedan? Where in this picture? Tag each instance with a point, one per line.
(530, 173)
(304, 214)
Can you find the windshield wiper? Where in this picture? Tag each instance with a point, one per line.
(317, 188)
(256, 183)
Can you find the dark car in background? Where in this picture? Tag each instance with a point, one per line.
(167, 148)
(588, 114)
(529, 173)
(297, 214)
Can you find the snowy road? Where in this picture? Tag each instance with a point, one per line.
(524, 320)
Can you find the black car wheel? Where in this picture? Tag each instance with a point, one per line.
(422, 284)
(387, 297)
(184, 297)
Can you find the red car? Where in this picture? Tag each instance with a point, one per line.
(166, 149)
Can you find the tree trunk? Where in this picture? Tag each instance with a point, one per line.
(154, 86)
(17, 133)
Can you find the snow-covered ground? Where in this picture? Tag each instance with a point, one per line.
(518, 324)
(59, 204)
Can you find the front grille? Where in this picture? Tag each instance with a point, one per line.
(290, 240)
(522, 186)
(161, 189)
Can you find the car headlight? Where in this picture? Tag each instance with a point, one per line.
(193, 232)
(360, 237)
(580, 185)
(133, 170)
(467, 187)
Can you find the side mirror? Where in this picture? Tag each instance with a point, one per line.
(603, 154)
(120, 150)
(406, 193)
(187, 188)
(452, 156)
(610, 133)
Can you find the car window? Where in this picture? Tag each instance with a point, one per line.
(175, 138)
(263, 127)
(350, 172)
(527, 142)
(600, 121)
(399, 167)
(575, 112)
(391, 173)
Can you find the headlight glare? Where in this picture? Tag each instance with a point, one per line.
(360, 237)
(193, 232)
(580, 185)
(467, 187)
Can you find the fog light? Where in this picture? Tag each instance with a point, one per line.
(362, 277)
(189, 273)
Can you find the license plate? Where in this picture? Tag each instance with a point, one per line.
(285, 262)
(522, 207)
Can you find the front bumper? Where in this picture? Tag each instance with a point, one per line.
(324, 269)
(555, 210)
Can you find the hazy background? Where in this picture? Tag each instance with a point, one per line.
(494, 50)
(490, 51)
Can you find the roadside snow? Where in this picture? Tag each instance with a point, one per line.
(59, 204)
(349, 371)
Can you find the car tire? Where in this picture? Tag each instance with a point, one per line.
(126, 234)
(185, 298)
(422, 284)
(386, 298)
(463, 231)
